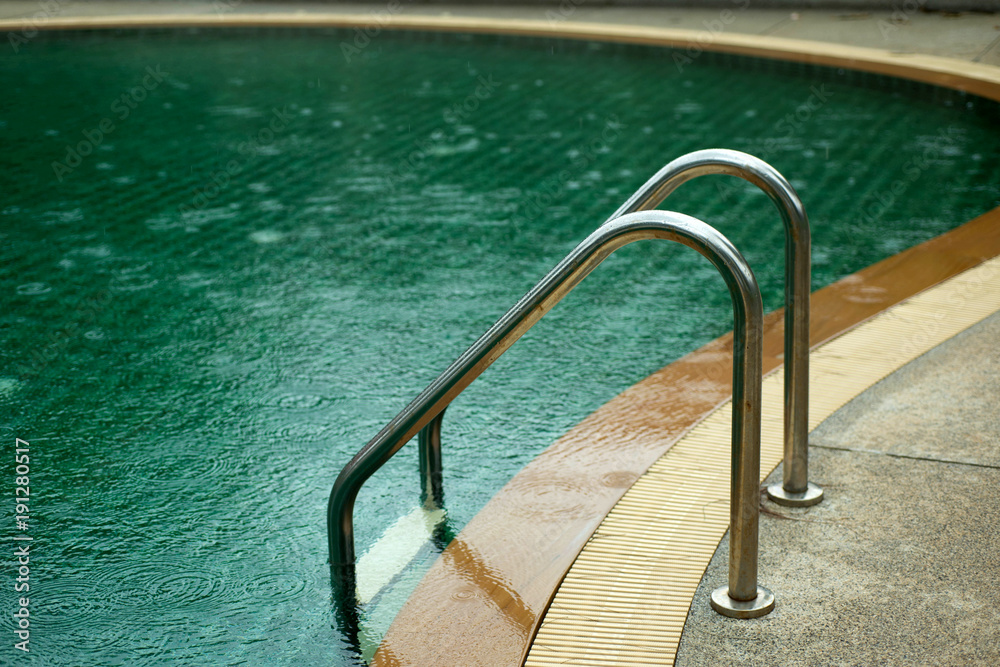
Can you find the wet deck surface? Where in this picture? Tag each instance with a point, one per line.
(899, 564)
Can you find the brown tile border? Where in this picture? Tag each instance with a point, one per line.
(483, 600)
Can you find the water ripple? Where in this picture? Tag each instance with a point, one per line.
(554, 499)
(165, 586)
(75, 609)
(274, 586)
(33, 289)
(180, 468)
(132, 279)
(307, 432)
(300, 401)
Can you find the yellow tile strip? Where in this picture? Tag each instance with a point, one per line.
(626, 597)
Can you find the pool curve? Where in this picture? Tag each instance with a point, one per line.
(498, 591)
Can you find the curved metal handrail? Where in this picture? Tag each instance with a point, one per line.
(795, 490)
(429, 449)
(742, 597)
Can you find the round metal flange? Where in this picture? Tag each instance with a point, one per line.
(761, 605)
(812, 495)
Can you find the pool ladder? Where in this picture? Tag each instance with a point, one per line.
(635, 220)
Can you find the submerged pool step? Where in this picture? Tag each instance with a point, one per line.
(395, 550)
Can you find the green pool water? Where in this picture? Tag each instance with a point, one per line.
(228, 258)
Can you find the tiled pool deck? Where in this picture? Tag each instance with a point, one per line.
(897, 566)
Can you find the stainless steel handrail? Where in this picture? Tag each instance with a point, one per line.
(742, 597)
(796, 490)
(429, 449)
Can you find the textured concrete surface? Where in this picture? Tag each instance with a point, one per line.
(900, 564)
(900, 25)
(945, 407)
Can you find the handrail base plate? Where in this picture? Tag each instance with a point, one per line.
(761, 605)
(811, 496)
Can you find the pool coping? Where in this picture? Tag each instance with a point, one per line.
(496, 580)
(626, 598)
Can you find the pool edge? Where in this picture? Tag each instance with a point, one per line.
(964, 75)
(625, 600)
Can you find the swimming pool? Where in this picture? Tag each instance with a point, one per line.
(245, 273)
